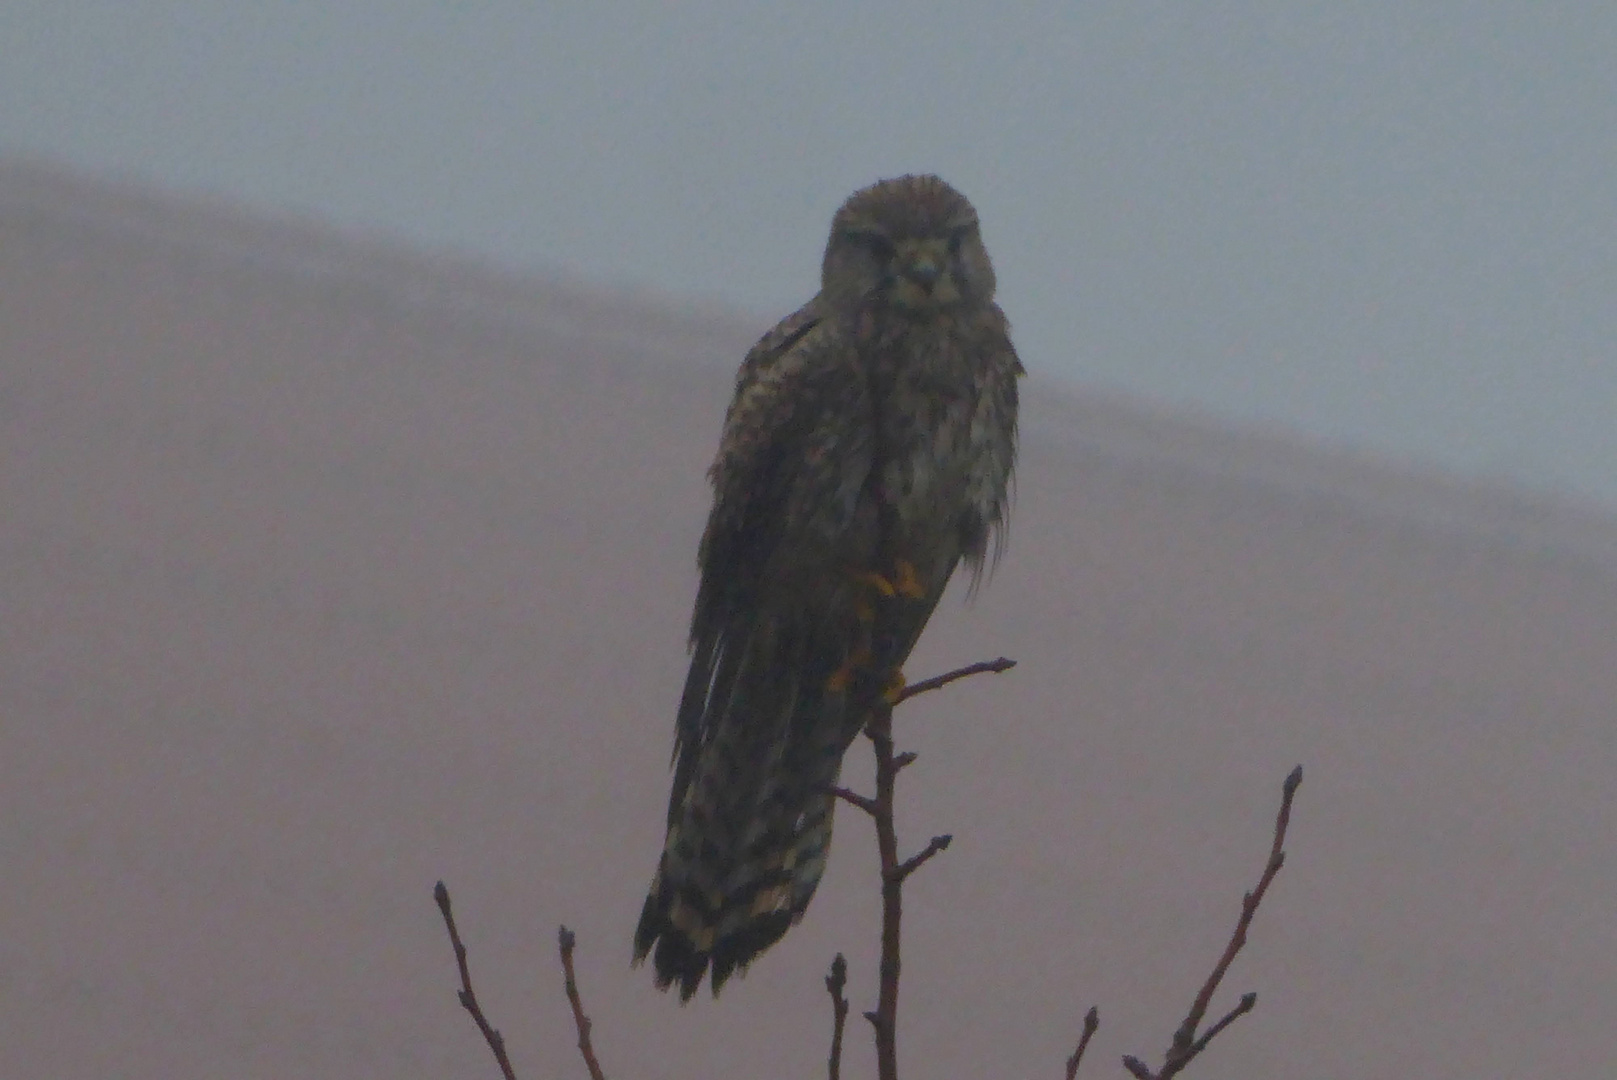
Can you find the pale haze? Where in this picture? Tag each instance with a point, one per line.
(333, 570)
(1389, 226)
(352, 473)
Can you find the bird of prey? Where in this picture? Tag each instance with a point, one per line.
(867, 452)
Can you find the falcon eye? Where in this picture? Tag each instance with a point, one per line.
(956, 238)
(878, 244)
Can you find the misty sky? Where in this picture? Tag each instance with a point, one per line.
(1390, 224)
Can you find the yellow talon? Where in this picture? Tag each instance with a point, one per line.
(908, 583)
(904, 582)
(842, 677)
(877, 582)
(895, 687)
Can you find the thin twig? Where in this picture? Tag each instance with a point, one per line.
(1091, 1023)
(884, 1018)
(565, 941)
(1248, 1002)
(834, 984)
(1186, 1042)
(468, 996)
(853, 798)
(1249, 908)
(982, 667)
(913, 863)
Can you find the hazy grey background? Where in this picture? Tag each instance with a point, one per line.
(1388, 224)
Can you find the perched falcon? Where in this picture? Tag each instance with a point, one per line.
(867, 453)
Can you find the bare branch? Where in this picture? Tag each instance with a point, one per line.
(468, 996)
(913, 863)
(834, 984)
(853, 798)
(937, 681)
(884, 1018)
(1249, 905)
(1091, 1024)
(1186, 1042)
(565, 941)
(1248, 1002)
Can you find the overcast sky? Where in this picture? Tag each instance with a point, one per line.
(1390, 223)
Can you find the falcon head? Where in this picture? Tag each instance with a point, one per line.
(911, 243)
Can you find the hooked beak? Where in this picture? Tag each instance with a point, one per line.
(924, 272)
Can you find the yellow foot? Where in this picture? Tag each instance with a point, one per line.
(878, 583)
(894, 688)
(904, 582)
(840, 679)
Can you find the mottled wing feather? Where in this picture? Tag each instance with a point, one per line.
(778, 342)
(752, 745)
(791, 461)
(994, 435)
(708, 660)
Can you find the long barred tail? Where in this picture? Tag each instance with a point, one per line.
(748, 839)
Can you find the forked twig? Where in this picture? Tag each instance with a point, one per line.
(565, 942)
(937, 681)
(1187, 1043)
(913, 863)
(468, 996)
(884, 1018)
(1091, 1025)
(854, 799)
